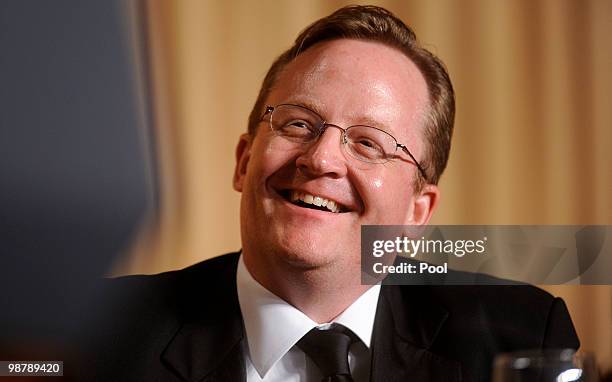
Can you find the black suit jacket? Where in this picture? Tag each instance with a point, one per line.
(186, 326)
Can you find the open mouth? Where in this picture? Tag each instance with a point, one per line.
(314, 202)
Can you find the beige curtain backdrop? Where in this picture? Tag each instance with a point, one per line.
(532, 139)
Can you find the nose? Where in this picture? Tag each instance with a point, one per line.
(325, 156)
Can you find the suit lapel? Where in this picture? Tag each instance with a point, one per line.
(407, 324)
(208, 344)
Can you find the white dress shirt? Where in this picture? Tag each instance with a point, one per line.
(273, 327)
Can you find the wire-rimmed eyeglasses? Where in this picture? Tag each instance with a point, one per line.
(365, 143)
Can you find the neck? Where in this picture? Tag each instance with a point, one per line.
(321, 293)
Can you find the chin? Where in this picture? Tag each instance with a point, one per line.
(303, 253)
(310, 252)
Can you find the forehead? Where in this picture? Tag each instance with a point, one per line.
(356, 82)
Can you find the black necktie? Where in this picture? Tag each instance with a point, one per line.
(329, 351)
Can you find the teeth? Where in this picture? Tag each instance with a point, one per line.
(315, 200)
(331, 205)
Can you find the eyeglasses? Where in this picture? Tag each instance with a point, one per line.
(365, 143)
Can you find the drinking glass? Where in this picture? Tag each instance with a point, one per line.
(559, 365)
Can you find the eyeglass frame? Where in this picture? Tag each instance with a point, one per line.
(324, 125)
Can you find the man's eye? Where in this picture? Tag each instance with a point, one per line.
(366, 148)
(367, 143)
(298, 124)
(297, 129)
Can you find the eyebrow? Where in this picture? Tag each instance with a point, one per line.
(312, 105)
(363, 119)
(368, 121)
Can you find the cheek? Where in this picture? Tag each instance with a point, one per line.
(266, 158)
(270, 159)
(387, 198)
(373, 182)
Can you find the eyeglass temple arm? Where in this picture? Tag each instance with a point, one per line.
(416, 162)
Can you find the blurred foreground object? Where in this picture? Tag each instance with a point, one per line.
(74, 181)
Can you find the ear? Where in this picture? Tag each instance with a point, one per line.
(243, 154)
(423, 205)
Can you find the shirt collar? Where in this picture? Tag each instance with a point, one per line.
(274, 326)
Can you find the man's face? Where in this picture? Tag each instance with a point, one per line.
(347, 82)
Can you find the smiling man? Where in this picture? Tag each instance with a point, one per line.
(352, 127)
(293, 161)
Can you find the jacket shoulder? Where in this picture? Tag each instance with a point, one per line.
(508, 317)
(202, 284)
(134, 318)
(212, 269)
